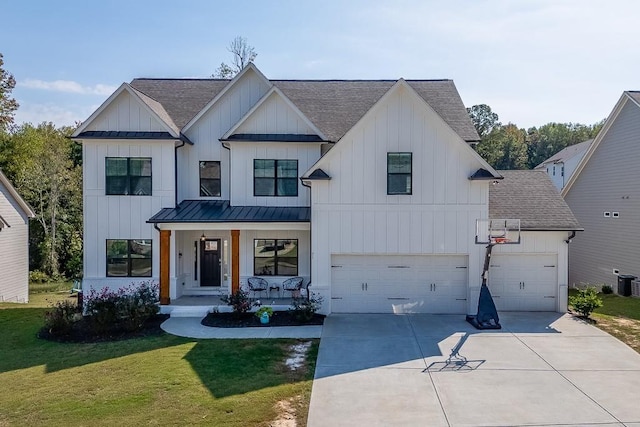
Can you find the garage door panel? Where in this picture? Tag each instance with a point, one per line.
(524, 282)
(399, 284)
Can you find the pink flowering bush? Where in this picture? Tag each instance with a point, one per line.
(126, 308)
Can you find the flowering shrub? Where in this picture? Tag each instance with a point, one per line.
(304, 308)
(127, 308)
(239, 301)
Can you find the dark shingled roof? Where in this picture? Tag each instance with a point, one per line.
(222, 211)
(181, 98)
(333, 106)
(529, 195)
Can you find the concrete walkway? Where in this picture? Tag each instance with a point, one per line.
(540, 369)
(191, 327)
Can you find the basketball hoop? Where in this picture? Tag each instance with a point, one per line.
(498, 231)
(499, 240)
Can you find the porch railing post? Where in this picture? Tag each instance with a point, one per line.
(165, 248)
(235, 260)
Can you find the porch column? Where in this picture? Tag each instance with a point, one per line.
(235, 261)
(165, 248)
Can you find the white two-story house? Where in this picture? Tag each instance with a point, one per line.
(369, 190)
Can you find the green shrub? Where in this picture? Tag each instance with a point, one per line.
(239, 300)
(59, 320)
(607, 290)
(264, 309)
(127, 308)
(585, 301)
(304, 308)
(37, 276)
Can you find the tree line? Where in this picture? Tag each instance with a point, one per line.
(510, 147)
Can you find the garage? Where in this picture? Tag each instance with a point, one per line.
(399, 284)
(524, 282)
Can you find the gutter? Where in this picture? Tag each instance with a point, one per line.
(310, 240)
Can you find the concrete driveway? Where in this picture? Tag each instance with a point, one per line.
(540, 369)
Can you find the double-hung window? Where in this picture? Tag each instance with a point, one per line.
(128, 176)
(399, 173)
(129, 258)
(210, 179)
(275, 257)
(275, 177)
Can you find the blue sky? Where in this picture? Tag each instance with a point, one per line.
(532, 61)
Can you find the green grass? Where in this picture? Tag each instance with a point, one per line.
(614, 305)
(49, 287)
(162, 380)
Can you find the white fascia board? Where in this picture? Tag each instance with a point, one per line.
(114, 95)
(596, 142)
(264, 99)
(226, 89)
(24, 205)
(226, 226)
(400, 83)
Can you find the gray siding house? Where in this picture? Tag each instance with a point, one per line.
(604, 195)
(14, 244)
(563, 164)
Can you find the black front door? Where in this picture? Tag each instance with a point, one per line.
(210, 262)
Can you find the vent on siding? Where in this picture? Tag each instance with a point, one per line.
(398, 266)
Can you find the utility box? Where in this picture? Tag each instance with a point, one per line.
(624, 284)
(635, 288)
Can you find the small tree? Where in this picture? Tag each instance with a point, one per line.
(8, 105)
(243, 54)
(586, 301)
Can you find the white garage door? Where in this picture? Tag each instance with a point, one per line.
(399, 284)
(524, 282)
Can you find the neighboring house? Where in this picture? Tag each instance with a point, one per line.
(14, 244)
(369, 190)
(561, 165)
(605, 196)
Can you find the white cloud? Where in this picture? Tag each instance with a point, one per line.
(38, 113)
(68, 86)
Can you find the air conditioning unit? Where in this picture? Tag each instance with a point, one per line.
(635, 288)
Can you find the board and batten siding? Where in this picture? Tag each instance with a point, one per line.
(608, 183)
(208, 129)
(125, 113)
(352, 213)
(242, 157)
(275, 116)
(122, 217)
(14, 250)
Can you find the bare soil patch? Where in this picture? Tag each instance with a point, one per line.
(626, 330)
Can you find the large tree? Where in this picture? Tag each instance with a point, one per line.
(504, 147)
(40, 162)
(547, 140)
(483, 119)
(8, 105)
(242, 53)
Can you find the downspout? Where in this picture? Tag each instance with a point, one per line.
(571, 236)
(229, 177)
(310, 239)
(175, 174)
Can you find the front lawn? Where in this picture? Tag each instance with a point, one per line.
(161, 380)
(619, 316)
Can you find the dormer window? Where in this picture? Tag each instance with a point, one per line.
(399, 173)
(275, 177)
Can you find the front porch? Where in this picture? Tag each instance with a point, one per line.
(201, 305)
(209, 249)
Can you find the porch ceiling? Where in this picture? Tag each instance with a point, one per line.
(220, 212)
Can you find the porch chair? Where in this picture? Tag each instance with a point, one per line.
(293, 285)
(257, 284)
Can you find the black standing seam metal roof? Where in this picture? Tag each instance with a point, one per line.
(125, 134)
(222, 211)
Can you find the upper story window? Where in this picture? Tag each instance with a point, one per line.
(275, 177)
(129, 258)
(399, 173)
(209, 179)
(128, 176)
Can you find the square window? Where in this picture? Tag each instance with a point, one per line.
(275, 177)
(399, 173)
(128, 176)
(275, 257)
(129, 258)
(210, 185)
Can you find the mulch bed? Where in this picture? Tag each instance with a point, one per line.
(279, 318)
(81, 332)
